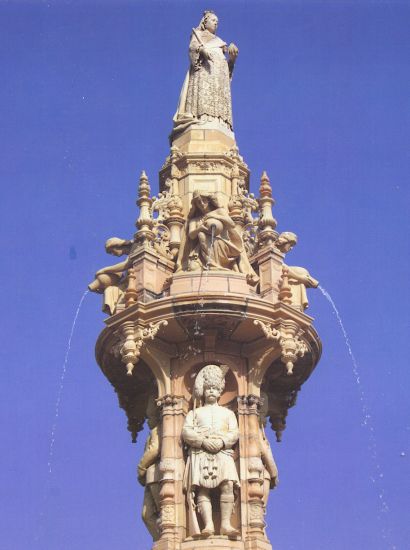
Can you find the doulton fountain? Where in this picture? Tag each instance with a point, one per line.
(206, 336)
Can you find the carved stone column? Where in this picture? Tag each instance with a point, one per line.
(270, 262)
(253, 523)
(152, 272)
(173, 411)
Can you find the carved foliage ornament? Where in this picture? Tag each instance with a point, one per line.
(292, 346)
(133, 340)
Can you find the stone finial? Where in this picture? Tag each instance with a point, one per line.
(292, 345)
(267, 222)
(145, 221)
(287, 336)
(265, 188)
(133, 340)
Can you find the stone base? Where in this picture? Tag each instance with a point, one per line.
(205, 138)
(166, 544)
(212, 281)
(254, 543)
(214, 543)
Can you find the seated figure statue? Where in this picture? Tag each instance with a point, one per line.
(299, 278)
(210, 432)
(107, 280)
(210, 239)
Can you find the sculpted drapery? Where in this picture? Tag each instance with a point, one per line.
(206, 469)
(206, 92)
(210, 239)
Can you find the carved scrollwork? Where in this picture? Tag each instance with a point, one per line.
(268, 330)
(134, 339)
(160, 203)
(250, 239)
(161, 243)
(288, 337)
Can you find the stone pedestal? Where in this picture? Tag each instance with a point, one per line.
(270, 262)
(212, 281)
(208, 137)
(214, 543)
(172, 323)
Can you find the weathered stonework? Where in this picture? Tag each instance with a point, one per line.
(204, 289)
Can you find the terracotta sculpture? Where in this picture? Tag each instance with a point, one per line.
(206, 93)
(210, 432)
(270, 476)
(299, 278)
(203, 283)
(148, 473)
(211, 241)
(286, 241)
(108, 278)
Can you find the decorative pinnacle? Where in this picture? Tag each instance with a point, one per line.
(144, 187)
(144, 222)
(267, 222)
(265, 188)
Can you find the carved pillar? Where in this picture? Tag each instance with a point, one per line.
(152, 272)
(270, 262)
(251, 470)
(175, 222)
(285, 293)
(131, 294)
(134, 336)
(173, 412)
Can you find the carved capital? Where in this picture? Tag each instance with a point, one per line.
(173, 404)
(131, 294)
(249, 404)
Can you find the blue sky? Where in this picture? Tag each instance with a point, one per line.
(321, 101)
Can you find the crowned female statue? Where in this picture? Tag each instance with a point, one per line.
(210, 431)
(206, 92)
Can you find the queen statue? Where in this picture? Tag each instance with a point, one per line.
(206, 92)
